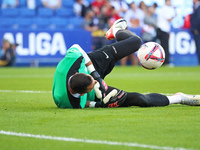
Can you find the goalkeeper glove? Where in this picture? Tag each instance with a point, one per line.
(113, 99)
(103, 86)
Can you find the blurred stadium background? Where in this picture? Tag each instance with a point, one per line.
(27, 106)
(44, 35)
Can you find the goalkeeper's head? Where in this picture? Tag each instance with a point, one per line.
(81, 83)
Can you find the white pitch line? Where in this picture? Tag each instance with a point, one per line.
(23, 91)
(27, 76)
(30, 91)
(68, 139)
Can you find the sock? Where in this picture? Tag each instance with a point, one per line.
(175, 99)
(115, 30)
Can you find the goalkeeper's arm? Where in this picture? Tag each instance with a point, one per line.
(88, 63)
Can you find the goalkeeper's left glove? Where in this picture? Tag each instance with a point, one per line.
(113, 99)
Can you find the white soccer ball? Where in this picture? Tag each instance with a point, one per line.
(151, 55)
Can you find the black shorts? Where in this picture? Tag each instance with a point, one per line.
(103, 60)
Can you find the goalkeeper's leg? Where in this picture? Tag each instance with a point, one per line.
(127, 44)
(105, 58)
(148, 100)
(155, 99)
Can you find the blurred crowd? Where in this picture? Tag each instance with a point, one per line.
(99, 15)
(7, 53)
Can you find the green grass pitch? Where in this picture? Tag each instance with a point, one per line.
(26, 106)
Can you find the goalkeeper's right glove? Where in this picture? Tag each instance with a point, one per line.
(113, 99)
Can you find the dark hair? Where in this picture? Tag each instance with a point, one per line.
(79, 82)
(155, 5)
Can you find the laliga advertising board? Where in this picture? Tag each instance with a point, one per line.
(182, 48)
(45, 48)
(48, 47)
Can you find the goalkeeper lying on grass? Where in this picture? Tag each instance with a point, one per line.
(78, 80)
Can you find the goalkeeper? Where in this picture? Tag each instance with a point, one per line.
(78, 79)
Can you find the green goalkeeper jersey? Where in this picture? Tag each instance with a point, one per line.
(72, 63)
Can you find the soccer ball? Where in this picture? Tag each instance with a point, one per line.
(151, 55)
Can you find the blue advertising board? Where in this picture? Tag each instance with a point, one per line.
(45, 48)
(48, 47)
(182, 48)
